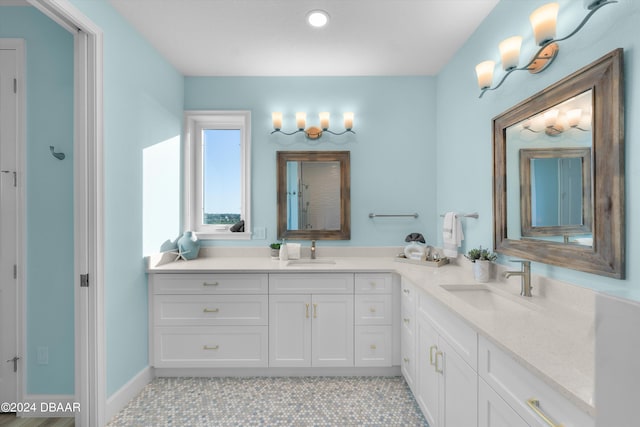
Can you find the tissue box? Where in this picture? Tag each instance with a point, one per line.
(294, 250)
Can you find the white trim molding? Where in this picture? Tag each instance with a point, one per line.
(21, 223)
(118, 400)
(90, 372)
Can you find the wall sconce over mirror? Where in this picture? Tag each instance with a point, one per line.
(312, 132)
(543, 22)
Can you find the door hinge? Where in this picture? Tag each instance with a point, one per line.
(15, 271)
(15, 85)
(84, 280)
(15, 177)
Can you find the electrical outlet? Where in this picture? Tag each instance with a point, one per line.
(43, 356)
(259, 233)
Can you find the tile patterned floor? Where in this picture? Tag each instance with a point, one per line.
(271, 402)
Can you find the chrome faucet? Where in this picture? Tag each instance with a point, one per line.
(313, 249)
(525, 277)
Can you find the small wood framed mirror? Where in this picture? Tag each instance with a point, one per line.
(314, 195)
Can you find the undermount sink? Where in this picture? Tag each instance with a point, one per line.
(486, 299)
(303, 262)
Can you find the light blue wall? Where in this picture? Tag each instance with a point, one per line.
(143, 98)
(49, 196)
(392, 154)
(464, 121)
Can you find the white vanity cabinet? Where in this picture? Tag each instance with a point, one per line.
(408, 325)
(311, 320)
(519, 388)
(208, 320)
(374, 319)
(493, 411)
(446, 377)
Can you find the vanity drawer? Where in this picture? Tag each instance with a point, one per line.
(373, 346)
(205, 346)
(407, 294)
(408, 362)
(316, 283)
(379, 283)
(516, 384)
(194, 283)
(373, 310)
(407, 322)
(193, 310)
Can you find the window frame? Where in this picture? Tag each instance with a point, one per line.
(195, 121)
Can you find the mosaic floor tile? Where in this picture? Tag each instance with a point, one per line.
(273, 402)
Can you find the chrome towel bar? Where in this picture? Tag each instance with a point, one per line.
(413, 215)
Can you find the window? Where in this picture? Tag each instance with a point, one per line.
(217, 173)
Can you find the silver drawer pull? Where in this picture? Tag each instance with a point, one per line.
(210, 283)
(534, 404)
(372, 309)
(438, 367)
(210, 347)
(433, 347)
(211, 310)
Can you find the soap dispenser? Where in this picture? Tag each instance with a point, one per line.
(284, 252)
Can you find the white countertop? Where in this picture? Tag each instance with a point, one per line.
(554, 338)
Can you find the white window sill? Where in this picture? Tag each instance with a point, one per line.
(223, 235)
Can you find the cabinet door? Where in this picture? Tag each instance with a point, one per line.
(332, 330)
(493, 411)
(290, 330)
(426, 376)
(458, 388)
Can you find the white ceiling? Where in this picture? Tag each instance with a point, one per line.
(271, 37)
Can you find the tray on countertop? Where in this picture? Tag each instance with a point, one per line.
(433, 263)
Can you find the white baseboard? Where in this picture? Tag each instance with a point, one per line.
(392, 371)
(48, 405)
(118, 400)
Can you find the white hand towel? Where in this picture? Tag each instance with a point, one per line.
(451, 234)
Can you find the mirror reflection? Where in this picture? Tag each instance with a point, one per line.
(313, 195)
(549, 174)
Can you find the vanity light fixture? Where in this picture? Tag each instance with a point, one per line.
(543, 21)
(553, 121)
(312, 132)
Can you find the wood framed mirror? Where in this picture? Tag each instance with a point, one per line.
(544, 122)
(314, 195)
(556, 193)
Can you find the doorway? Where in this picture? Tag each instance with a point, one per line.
(11, 213)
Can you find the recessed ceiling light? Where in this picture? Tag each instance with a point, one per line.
(317, 18)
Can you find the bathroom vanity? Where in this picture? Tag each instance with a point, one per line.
(472, 354)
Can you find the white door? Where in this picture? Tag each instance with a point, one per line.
(427, 378)
(332, 330)
(8, 228)
(458, 389)
(290, 330)
(493, 411)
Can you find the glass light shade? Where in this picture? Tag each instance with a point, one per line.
(318, 18)
(543, 20)
(348, 120)
(301, 120)
(324, 120)
(510, 52)
(573, 117)
(550, 118)
(484, 71)
(276, 117)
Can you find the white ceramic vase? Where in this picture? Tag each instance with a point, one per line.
(482, 270)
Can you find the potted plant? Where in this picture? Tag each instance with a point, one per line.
(275, 250)
(481, 259)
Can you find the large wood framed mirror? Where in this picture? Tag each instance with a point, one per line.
(314, 195)
(575, 128)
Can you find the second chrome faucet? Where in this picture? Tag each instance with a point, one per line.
(525, 277)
